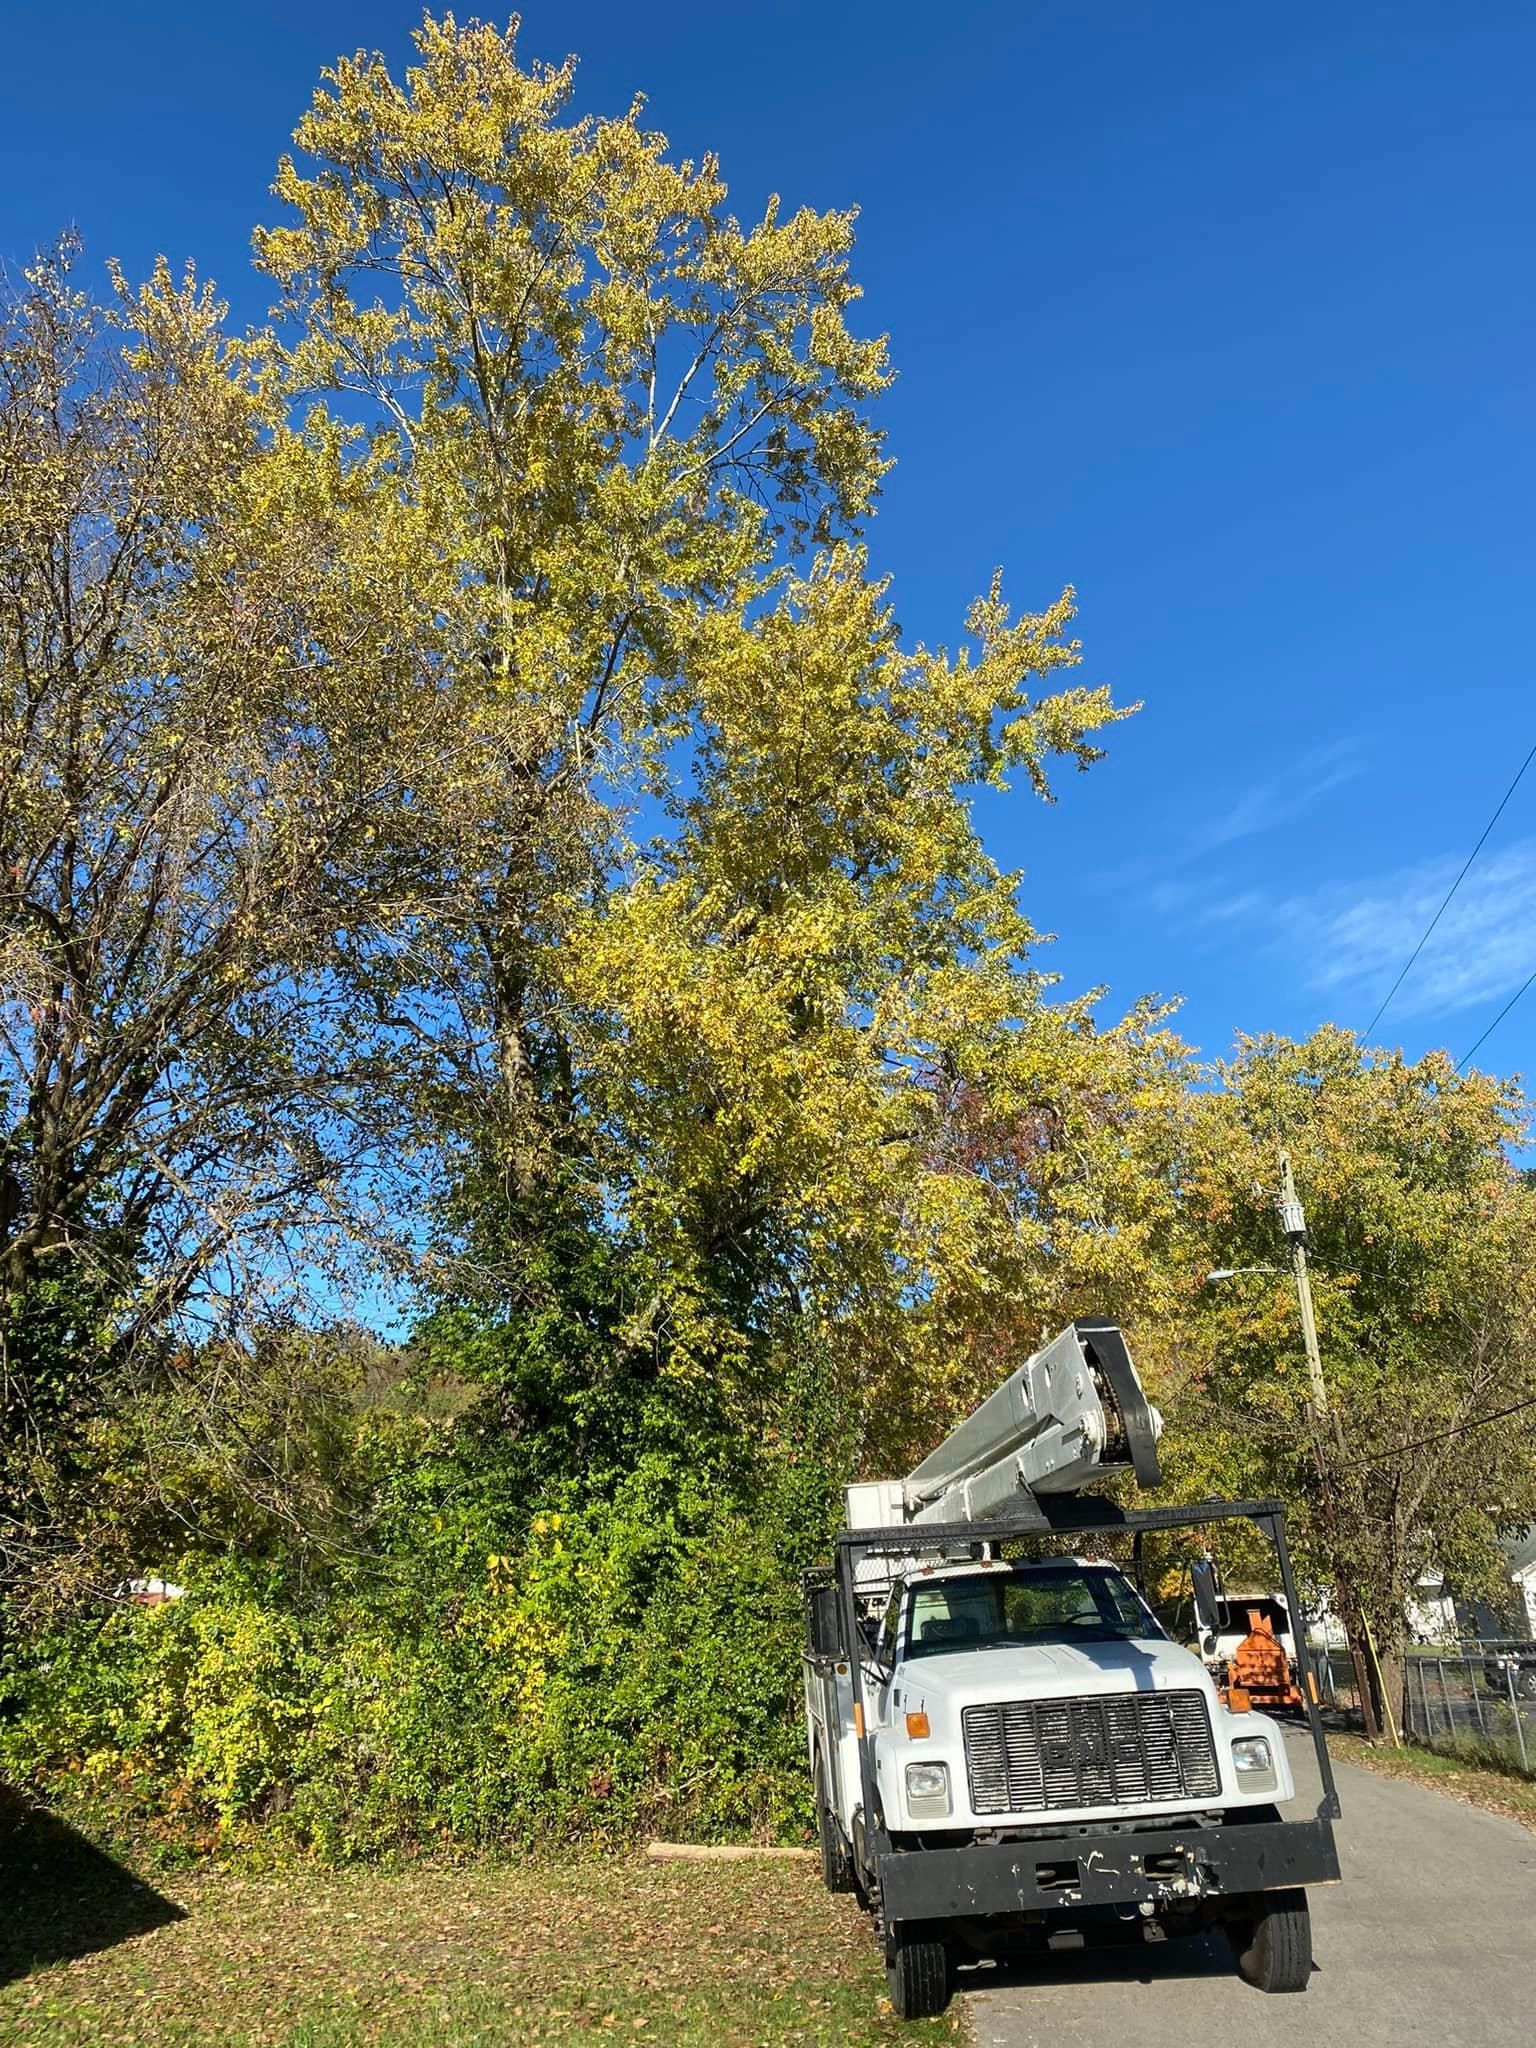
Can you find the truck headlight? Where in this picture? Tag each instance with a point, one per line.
(928, 1789)
(1254, 1764)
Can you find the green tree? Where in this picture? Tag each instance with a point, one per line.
(610, 411)
(1422, 1244)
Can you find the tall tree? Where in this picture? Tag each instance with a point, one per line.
(640, 433)
(227, 777)
(1422, 1240)
(614, 410)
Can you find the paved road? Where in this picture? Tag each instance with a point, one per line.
(1431, 1938)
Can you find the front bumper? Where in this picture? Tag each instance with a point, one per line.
(1087, 1869)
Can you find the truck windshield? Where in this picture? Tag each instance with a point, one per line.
(1069, 1603)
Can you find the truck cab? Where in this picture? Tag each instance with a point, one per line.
(1005, 1694)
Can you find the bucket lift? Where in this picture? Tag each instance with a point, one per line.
(1072, 1413)
(1002, 1492)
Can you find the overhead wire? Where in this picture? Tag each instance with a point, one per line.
(1519, 992)
(1440, 1437)
(1381, 1007)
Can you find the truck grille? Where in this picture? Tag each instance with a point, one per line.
(1129, 1749)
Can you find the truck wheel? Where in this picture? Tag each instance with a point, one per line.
(917, 1976)
(1272, 1934)
(836, 1870)
(1525, 1682)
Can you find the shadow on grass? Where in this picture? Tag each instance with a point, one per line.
(60, 1896)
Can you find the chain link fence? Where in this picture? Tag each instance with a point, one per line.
(1479, 1703)
(1338, 1684)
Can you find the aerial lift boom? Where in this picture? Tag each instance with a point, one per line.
(1072, 1413)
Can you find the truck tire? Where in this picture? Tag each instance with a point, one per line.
(836, 1864)
(1525, 1682)
(1272, 1934)
(917, 1976)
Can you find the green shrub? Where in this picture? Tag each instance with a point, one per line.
(630, 1664)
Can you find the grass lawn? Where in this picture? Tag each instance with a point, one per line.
(584, 1951)
(1500, 1791)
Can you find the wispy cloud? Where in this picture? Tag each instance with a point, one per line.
(1349, 941)
(1281, 799)
(1183, 888)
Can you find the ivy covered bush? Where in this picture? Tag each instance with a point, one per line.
(511, 1660)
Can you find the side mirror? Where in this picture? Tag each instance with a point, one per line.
(1203, 1584)
(825, 1624)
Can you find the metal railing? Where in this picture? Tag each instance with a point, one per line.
(1338, 1684)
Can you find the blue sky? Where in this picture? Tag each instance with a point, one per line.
(1223, 315)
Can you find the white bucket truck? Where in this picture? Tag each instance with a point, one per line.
(1007, 1748)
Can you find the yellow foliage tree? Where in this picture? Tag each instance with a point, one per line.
(1421, 1232)
(637, 435)
(804, 1004)
(604, 406)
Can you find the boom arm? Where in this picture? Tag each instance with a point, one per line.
(1072, 1413)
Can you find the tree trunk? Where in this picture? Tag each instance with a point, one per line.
(1391, 1662)
(1370, 1717)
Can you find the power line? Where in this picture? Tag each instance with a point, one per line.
(1519, 992)
(1442, 1437)
(1466, 865)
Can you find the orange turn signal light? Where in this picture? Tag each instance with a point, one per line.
(858, 1718)
(917, 1726)
(1238, 1701)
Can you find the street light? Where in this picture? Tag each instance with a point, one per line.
(1294, 1223)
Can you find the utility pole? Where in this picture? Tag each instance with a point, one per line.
(1293, 1222)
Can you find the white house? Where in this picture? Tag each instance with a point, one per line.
(1522, 1575)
